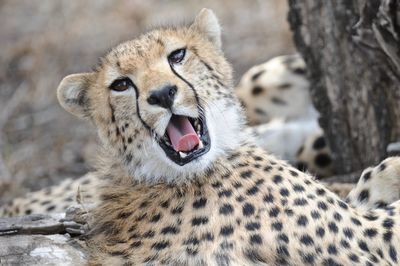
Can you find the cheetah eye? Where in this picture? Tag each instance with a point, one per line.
(121, 84)
(177, 56)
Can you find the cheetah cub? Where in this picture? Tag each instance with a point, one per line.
(186, 186)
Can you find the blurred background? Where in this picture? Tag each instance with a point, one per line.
(42, 41)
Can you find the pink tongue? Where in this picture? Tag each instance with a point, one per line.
(182, 134)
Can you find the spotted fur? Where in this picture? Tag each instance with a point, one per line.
(277, 103)
(235, 205)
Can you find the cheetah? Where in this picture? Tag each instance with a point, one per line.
(184, 184)
(277, 102)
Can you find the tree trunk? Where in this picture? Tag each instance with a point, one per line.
(352, 50)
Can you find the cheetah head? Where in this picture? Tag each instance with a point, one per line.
(163, 103)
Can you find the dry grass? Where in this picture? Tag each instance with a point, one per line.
(44, 40)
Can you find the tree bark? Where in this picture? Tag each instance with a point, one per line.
(352, 50)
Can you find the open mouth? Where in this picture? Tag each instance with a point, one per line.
(185, 139)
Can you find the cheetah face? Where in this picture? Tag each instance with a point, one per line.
(163, 104)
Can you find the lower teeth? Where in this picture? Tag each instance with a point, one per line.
(182, 154)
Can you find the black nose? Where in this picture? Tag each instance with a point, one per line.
(163, 97)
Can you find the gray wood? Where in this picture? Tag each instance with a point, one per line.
(40, 250)
(38, 240)
(352, 50)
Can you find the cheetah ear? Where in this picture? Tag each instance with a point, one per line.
(207, 23)
(72, 94)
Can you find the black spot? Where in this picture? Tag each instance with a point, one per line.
(387, 236)
(252, 191)
(161, 245)
(269, 198)
(257, 90)
(239, 198)
(302, 220)
(226, 209)
(207, 236)
(298, 188)
(333, 227)
(28, 211)
(196, 221)
(277, 226)
(256, 239)
(257, 75)
(363, 245)
(370, 232)
(200, 203)
(344, 243)
(321, 191)
(177, 210)
(300, 202)
(380, 204)
(277, 179)
(355, 221)
(248, 209)
(237, 185)
(308, 258)
(331, 262)
(332, 250)
(322, 205)
(284, 86)
(268, 168)
(315, 215)
(136, 244)
(225, 193)
(306, 240)
(226, 230)
(348, 232)
(366, 176)
(323, 160)
(284, 192)
(274, 212)
(216, 184)
(50, 208)
(382, 167)
(278, 101)
(284, 238)
(149, 234)
(393, 254)
(246, 174)
(155, 218)
(260, 111)
(320, 232)
(364, 195)
(169, 230)
(388, 223)
(354, 257)
(165, 204)
(342, 204)
(252, 226)
(337, 216)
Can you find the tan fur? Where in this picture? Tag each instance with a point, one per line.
(235, 204)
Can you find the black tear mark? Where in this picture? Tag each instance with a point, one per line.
(189, 84)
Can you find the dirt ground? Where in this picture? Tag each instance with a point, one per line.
(41, 41)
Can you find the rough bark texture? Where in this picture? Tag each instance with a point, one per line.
(352, 50)
(38, 240)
